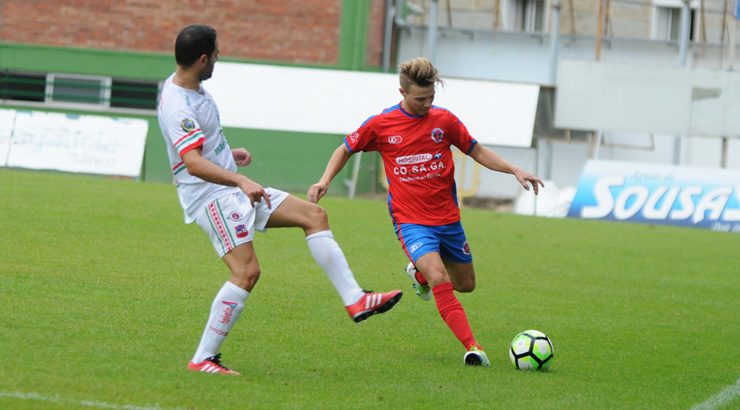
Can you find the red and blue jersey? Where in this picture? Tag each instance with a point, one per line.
(418, 161)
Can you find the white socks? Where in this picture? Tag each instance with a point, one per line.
(225, 310)
(330, 257)
(229, 302)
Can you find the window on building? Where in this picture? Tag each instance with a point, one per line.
(524, 15)
(134, 94)
(77, 89)
(83, 91)
(22, 86)
(667, 20)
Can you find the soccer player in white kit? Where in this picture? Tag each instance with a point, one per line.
(229, 206)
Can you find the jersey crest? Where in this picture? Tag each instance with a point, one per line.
(187, 124)
(438, 135)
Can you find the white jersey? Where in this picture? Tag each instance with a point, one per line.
(189, 119)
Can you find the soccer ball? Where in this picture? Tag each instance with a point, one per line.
(531, 350)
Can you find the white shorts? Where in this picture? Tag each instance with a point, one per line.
(231, 220)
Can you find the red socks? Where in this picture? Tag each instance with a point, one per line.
(453, 314)
(421, 279)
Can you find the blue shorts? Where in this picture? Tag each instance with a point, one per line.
(448, 240)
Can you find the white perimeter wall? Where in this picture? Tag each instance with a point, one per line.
(338, 102)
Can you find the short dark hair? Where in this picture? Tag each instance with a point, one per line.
(194, 41)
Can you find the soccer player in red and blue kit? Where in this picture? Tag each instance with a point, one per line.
(414, 139)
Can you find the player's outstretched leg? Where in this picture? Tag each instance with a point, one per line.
(359, 303)
(295, 212)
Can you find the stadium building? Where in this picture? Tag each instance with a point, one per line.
(558, 82)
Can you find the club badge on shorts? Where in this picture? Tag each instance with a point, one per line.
(241, 231)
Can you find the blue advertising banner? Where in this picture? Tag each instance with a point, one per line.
(659, 194)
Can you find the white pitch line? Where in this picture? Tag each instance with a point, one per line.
(722, 397)
(86, 403)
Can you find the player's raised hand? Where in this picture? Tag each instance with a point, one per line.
(526, 179)
(317, 191)
(242, 157)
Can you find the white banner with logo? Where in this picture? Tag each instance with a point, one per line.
(74, 143)
(659, 194)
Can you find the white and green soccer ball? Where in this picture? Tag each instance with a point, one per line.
(531, 350)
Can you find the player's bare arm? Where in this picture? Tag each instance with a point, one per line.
(242, 157)
(208, 171)
(491, 160)
(337, 161)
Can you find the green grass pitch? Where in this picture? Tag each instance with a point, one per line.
(104, 293)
